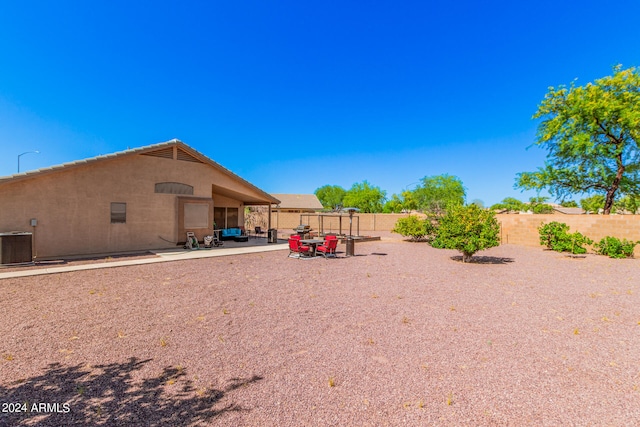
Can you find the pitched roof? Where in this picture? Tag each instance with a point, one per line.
(154, 147)
(298, 201)
(569, 211)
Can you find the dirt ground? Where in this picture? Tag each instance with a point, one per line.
(401, 334)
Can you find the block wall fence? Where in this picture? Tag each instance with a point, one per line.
(523, 229)
(368, 222)
(519, 229)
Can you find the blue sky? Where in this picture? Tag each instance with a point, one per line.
(293, 95)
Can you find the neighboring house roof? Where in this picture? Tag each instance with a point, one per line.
(569, 211)
(298, 201)
(184, 149)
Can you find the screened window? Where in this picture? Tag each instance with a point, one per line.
(173, 188)
(118, 213)
(196, 215)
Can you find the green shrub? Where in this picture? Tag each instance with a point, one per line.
(615, 248)
(556, 236)
(468, 229)
(574, 243)
(551, 233)
(416, 228)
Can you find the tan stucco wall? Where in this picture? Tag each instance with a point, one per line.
(523, 229)
(72, 205)
(520, 229)
(368, 222)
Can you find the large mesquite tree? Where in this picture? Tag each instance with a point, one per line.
(592, 134)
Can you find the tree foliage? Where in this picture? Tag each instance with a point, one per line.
(331, 196)
(555, 235)
(394, 205)
(366, 197)
(592, 134)
(438, 192)
(537, 205)
(593, 204)
(414, 227)
(615, 248)
(510, 204)
(468, 229)
(628, 204)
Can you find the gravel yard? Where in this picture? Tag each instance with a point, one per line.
(400, 335)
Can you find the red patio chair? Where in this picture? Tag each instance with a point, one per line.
(296, 247)
(328, 248)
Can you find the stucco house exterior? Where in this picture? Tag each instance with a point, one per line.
(138, 199)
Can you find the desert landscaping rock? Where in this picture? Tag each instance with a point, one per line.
(402, 334)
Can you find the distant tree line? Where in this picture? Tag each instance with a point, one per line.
(432, 194)
(593, 204)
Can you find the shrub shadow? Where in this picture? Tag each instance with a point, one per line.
(108, 395)
(484, 259)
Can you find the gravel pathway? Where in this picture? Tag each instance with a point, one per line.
(402, 334)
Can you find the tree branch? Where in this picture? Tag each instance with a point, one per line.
(609, 135)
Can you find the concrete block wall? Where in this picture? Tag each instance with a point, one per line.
(519, 229)
(368, 222)
(523, 229)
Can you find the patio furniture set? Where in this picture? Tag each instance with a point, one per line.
(310, 248)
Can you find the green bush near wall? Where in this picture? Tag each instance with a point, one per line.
(555, 235)
(615, 248)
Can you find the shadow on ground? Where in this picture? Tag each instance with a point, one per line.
(107, 395)
(484, 259)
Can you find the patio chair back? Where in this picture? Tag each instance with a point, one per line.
(296, 247)
(328, 248)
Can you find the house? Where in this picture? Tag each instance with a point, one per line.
(568, 211)
(297, 203)
(138, 199)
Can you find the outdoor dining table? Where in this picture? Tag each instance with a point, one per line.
(312, 244)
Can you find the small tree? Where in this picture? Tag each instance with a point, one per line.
(414, 227)
(366, 197)
(627, 204)
(593, 204)
(331, 196)
(467, 229)
(438, 192)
